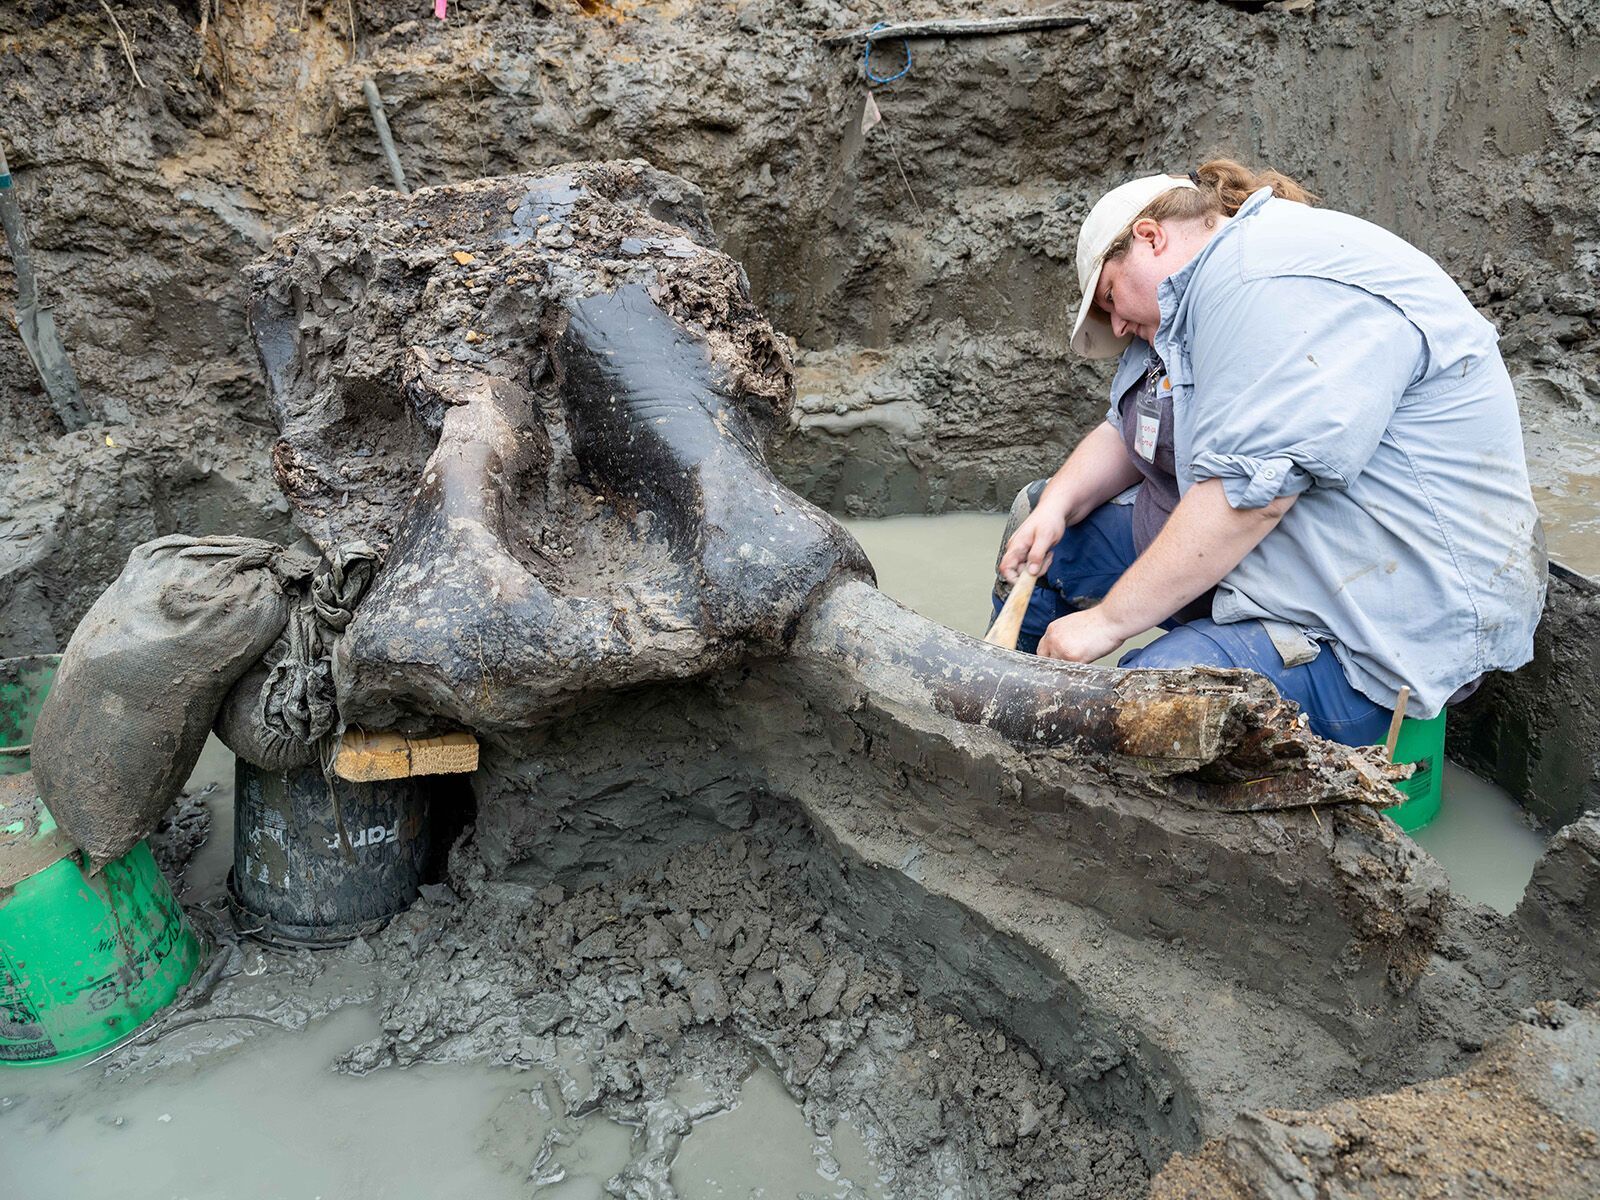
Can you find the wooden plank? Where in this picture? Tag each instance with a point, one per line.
(448, 754)
(368, 757)
(984, 27)
(364, 757)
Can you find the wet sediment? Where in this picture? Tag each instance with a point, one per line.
(984, 1037)
(1073, 921)
(1032, 969)
(718, 950)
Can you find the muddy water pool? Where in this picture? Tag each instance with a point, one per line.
(270, 1121)
(269, 1118)
(943, 567)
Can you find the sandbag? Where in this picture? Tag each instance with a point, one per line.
(143, 676)
(277, 715)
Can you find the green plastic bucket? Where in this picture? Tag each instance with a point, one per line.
(1420, 742)
(84, 961)
(24, 683)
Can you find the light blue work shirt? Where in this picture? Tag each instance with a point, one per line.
(1315, 354)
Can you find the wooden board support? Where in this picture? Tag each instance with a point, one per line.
(367, 757)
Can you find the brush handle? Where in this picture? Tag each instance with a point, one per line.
(1008, 624)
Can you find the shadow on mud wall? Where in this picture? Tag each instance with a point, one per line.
(1536, 731)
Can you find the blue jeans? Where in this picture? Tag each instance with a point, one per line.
(1092, 555)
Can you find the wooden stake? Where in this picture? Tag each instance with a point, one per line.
(1394, 722)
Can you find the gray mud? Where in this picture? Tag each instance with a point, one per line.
(645, 999)
(184, 829)
(709, 987)
(687, 971)
(714, 981)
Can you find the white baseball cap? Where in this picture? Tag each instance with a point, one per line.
(1112, 213)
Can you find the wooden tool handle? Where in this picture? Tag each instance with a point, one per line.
(1394, 722)
(1008, 624)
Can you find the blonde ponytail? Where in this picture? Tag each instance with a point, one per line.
(1232, 183)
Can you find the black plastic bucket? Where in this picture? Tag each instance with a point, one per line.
(318, 860)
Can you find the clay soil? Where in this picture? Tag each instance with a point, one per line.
(1490, 1132)
(922, 272)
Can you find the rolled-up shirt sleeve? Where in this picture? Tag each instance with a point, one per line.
(1253, 482)
(1296, 379)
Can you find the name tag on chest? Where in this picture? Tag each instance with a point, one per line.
(1144, 436)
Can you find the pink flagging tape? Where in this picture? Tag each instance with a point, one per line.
(438, 8)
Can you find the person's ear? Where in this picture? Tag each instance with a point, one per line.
(1149, 229)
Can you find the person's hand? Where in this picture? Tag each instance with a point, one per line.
(1080, 637)
(1031, 545)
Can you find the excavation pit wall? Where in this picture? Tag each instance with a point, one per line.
(1536, 731)
(924, 385)
(930, 311)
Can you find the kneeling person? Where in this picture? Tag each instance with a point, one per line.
(1331, 488)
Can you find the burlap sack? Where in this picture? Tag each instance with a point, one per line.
(144, 675)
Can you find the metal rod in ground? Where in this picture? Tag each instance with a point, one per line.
(34, 321)
(989, 27)
(375, 104)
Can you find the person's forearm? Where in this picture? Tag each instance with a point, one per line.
(1093, 473)
(1204, 539)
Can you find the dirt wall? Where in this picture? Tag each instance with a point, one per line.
(923, 268)
(1536, 731)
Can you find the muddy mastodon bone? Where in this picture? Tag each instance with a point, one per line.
(548, 399)
(371, 317)
(690, 555)
(1236, 744)
(654, 428)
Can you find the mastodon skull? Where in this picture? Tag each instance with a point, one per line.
(547, 400)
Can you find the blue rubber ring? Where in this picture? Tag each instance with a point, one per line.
(866, 58)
